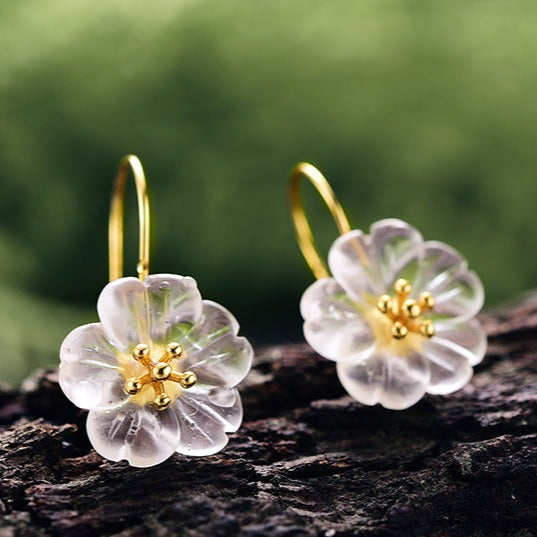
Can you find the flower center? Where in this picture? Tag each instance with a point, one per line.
(158, 373)
(405, 312)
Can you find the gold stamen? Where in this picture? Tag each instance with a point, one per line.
(174, 350)
(402, 287)
(384, 303)
(399, 330)
(161, 371)
(158, 373)
(426, 301)
(186, 379)
(410, 309)
(140, 352)
(133, 386)
(405, 311)
(427, 329)
(162, 401)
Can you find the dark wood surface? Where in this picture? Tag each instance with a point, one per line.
(308, 460)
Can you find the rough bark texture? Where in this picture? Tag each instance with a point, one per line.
(308, 460)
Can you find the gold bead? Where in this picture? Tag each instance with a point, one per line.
(411, 309)
(426, 300)
(384, 303)
(175, 350)
(399, 330)
(427, 329)
(140, 352)
(188, 379)
(402, 287)
(133, 386)
(161, 371)
(162, 401)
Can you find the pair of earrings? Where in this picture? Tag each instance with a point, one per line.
(159, 372)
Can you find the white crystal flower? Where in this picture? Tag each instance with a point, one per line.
(158, 373)
(397, 317)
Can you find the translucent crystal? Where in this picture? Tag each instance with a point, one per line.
(375, 363)
(205, 416)
(97, 360)
(468, 337)
(135, 312)
(366, 265)
(89, 373)
(394, 381)
(334, 326)
(214, 351)
(136, 433)
(458, 291)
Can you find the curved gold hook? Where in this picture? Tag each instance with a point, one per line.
(115, 222)
(303, 230)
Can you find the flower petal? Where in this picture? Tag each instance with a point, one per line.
(368, 266)
(205, 416)
(470, 336)
(351, 264)
(458, 292)
(89, 372)
(174, 304)
(333, 324)
(137, 433)
(394, 246)
(122, 308)
(215, 353)
(158, 310)
(450, 371)
(452, 353)
(394, 381)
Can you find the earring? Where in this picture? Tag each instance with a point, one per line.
(398, 315)
(158, 372)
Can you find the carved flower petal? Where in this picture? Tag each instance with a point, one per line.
(205, 416)
(89, 373)
(394, 245)
(174, 304)
(367, 265)
(452, 353)
(214, 351)
(333, 324)
(458, 292)
(148, 312)
(137, 433)
(450, 370)
(394, 381)
(122, 308)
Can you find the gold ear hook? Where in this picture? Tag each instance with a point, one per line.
(303, 230)
(115, 223)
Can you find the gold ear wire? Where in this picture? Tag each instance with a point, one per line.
(304, 235)
(115, 223)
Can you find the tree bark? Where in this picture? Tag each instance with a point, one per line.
(308, 460)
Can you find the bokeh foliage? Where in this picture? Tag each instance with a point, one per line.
(421, 110)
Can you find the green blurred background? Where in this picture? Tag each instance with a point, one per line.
(420, 110)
